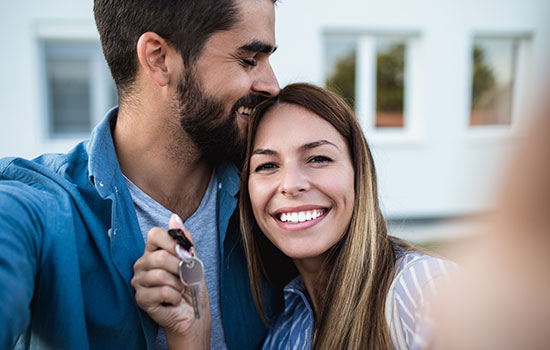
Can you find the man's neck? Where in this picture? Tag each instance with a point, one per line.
(158, 157)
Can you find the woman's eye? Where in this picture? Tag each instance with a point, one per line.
(265, 166)
(319, 159)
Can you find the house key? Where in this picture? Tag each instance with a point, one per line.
(191, 269)
(191, 274)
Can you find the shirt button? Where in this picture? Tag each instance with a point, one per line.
(111, 232)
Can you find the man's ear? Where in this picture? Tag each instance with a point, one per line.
(155, 57)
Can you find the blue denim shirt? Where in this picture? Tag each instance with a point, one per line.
(69, 238)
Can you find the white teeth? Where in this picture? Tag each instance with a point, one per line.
(302, 216)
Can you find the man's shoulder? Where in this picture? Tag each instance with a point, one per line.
(47, 165)
(42, 181)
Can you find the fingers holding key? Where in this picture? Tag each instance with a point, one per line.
(159, 263)
(157, 270)
(181, 308)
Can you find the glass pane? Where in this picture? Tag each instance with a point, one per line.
(492, 81)
(390, 82)
(68, 95)
(340, 69)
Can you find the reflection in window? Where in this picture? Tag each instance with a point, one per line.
(340, 55)
(387, 72)
(493, 69)
(390, 77)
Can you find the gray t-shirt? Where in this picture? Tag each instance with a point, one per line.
(204, 228)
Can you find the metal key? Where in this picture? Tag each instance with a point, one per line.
(191, 274)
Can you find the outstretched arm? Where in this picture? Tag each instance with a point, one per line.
(20, 239)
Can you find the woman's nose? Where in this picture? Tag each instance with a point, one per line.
(293, 181)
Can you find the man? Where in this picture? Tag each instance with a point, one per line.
(72, 226)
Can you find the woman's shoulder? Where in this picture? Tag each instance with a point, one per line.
(417, 275)
(416, 280)
(421, 268)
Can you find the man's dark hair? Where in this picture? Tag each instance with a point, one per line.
(186, 24)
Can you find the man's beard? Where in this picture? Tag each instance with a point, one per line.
(202, 117)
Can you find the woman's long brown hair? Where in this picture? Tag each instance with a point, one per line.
(358, 270)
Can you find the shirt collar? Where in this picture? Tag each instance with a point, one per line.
(295, 285)
(295, 292)
(103, 162)
(228, 177)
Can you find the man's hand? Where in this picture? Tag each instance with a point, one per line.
(160, 292)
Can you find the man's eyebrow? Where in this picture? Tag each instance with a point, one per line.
(314, 144)
(268, 152)
(258, 46)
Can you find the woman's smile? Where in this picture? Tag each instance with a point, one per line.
(301, 218)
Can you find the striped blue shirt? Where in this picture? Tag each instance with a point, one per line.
(415, 283)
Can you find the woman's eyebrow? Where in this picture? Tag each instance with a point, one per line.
(314, 144)
(263, 151)
(307, 146)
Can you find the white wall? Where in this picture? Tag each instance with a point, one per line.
(23, 23)
(444, 169)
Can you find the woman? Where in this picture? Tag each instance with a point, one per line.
(310, 220)
(309, 204)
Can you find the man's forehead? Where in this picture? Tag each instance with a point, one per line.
(253, 32)
(257, 18)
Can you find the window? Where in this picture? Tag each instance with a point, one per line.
(494, 62)
(341, 52)
(79, 89)
(370, 72)
(390, 83)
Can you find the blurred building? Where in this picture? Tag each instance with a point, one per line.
(441, 88)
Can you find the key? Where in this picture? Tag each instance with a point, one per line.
(191, 274)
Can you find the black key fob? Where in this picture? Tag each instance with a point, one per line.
(180, 238)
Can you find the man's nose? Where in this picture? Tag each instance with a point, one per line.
(266, 83)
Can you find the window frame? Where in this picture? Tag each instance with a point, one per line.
(82, 34)
(520, 89)
(365, 84)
